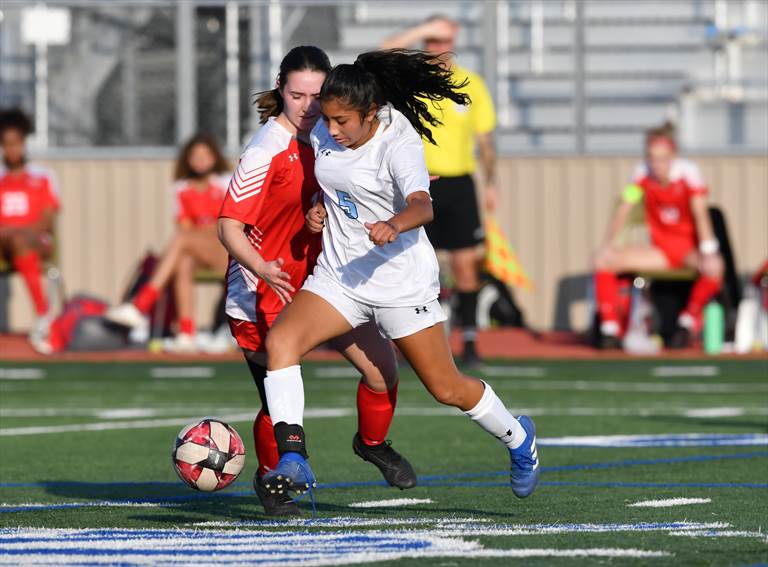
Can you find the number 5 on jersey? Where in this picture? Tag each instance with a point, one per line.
(346, 204)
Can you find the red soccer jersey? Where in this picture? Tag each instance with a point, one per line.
(26, 194)
(270, 192)
(668, 207)
(200, 207)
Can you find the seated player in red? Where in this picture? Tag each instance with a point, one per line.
(675, 199)
(29, 203)
(202, 176)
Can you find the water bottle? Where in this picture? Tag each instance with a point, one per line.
(714, 327)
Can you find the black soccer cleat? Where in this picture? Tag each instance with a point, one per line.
(609, 342)
(681, 338)
(275, 504)
(396, 469)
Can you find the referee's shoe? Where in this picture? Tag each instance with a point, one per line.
(396, 469)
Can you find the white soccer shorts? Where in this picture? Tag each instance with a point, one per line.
(393, 322)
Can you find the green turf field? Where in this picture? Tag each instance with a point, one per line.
(86, 478)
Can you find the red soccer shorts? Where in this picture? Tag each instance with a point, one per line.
(250, 335)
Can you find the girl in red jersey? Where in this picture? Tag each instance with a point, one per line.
(29, 203)
(201, 183)
(262, 226)
(675, 201)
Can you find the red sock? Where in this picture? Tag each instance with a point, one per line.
(266, 446)
(703, 290)
(187, 326)
(146, 298)
(374, 413)
(607, 296)
(31, 272)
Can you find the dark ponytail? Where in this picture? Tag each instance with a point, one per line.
(404, 78)
(301, 58)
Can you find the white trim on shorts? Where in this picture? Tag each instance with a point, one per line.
(393, 322)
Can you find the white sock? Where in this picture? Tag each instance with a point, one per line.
(285, 395)
(491, 415)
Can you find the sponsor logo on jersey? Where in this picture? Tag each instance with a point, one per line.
(420, 310)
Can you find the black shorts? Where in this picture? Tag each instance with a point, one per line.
(457, 221)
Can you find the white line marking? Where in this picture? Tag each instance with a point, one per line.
(182, 372)
(100, 503)
(467, 526)
(118, 413)
(660, 440)
(715, 412)
(22, 373)
(678, 371)
(390, 503)
(106, 546)
(720, 533)
(337, 372)
(669, 502)
(526, 371)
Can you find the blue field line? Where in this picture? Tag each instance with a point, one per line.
(424, 478)
(436, 484)
(452, 480)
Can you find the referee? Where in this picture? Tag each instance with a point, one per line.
(456, 226)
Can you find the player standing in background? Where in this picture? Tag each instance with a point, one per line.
(271, 252)
(202, 175)
(29, 202)
(377, 263)
(457, 226)
(676, 212)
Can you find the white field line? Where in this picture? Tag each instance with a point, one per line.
(684, 371)
(720, 533)
(690, 439)
(649, 411)
(95, 504)
(658, 440)
(104, 546)
(470, 526)
(182, 372)
(393, 503)
(669, 502)
(22, 373)
(351, 372)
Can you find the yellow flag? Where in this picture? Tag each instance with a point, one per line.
(500, 260)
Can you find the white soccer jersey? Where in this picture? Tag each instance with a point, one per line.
(370, 184)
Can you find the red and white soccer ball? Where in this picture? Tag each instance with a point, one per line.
(208, 455)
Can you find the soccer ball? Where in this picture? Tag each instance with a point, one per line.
(208, 455)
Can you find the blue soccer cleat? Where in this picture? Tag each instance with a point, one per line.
(292, 473)
(524, 470)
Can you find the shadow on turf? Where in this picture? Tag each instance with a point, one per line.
(190, 506)
(704, 422)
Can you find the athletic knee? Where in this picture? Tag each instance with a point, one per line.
(282, 348)
(447, 394)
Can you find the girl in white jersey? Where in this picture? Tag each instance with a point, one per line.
(377, 263)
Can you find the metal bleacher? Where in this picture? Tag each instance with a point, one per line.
(639, 58)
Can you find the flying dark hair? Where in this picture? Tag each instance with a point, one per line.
(301, 58)
(14, 118)
(182, 169)
(402, 77)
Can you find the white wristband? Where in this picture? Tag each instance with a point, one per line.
(710, 246)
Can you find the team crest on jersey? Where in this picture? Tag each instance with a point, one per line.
(669, 215)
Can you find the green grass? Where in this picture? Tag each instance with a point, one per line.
(574, 398)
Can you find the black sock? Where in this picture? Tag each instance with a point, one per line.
(290, 439)
(468, 315)
(259, 373)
